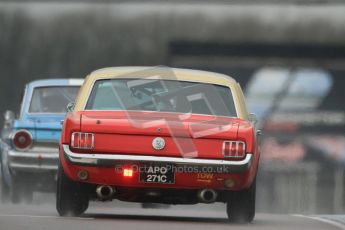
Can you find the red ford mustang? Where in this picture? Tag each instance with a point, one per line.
(159, 135)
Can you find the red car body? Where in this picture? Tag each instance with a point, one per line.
(157, 156)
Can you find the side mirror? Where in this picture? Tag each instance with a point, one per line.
(252, 118)
(9, 116)
(70, 107)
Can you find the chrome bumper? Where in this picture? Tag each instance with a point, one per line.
(41, 159)
(104, 160)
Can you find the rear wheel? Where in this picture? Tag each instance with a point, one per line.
(21, 189)
(5, 192)
(5, 189)
(241, 205)
(71, 197)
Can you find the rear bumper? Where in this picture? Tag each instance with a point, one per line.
(109, 160)
(36, 160)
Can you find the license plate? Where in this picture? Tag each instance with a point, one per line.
(162, 174)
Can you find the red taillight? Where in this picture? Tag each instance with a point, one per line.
(82, 140)
(234, 149)
(22, 140)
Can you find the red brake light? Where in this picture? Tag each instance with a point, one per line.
(22, 139)
(82, 140)
(234, 149)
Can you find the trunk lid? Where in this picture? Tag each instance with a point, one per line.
(159, 124)
(191, 135)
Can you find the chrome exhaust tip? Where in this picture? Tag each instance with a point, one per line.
(105, 192)
(207, 196)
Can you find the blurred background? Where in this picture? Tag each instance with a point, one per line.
(288, 55)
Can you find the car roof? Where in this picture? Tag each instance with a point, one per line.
(164, 72)
(55, 82)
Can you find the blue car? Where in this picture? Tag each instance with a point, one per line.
(29, 144)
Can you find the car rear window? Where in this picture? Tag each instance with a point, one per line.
(52, 99)
(161, 95)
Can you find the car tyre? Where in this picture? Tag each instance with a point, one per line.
(28, 195)
(5, 189)
(241, 205)
(5, 192)
(21, 189)
(71, 197)
(15, 195)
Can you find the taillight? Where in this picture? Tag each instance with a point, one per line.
(234, 149)
(82, 140)
(22, 139)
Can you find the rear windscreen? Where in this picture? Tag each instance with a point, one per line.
(162, 95)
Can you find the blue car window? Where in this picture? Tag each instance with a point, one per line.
(52, 99)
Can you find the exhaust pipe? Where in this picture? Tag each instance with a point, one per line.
(207, 196)
(105, 192)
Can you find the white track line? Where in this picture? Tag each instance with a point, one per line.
(324, 220)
